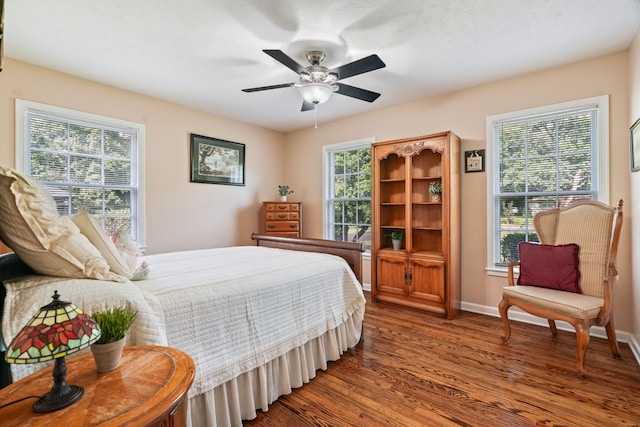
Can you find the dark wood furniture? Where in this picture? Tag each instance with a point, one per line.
(425, 273)
(4, 249)
(282, 219)
(349, 251)
(149, 388)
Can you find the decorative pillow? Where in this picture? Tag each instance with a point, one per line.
(93, 231)
(49, 243)
(130, 252)
(550, 266)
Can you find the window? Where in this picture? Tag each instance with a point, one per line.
(85, 161)
(348, 192)
(542, 158)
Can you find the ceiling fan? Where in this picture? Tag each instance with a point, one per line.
(317, 82)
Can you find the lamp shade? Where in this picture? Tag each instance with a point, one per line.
(316, 93)
(56, 330)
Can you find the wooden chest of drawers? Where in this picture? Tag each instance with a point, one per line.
(282, 218)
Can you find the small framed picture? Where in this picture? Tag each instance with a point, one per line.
(216, 161)
(635, 146)
(474, 161)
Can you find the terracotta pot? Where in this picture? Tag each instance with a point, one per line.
(107, 356)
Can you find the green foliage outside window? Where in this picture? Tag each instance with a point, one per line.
(84, 167)
(544, 162)
(350, 195)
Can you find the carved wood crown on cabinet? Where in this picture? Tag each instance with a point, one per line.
(425, 273)
(282, 219)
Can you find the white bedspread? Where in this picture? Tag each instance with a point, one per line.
(231, 309)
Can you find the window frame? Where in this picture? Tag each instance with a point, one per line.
(327, 152)
(601, 181)
(24, 107)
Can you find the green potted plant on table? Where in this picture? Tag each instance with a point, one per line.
(283, 192)
(435, 189)
(396, 239)
(114, 324)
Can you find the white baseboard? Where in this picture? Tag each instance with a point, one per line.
(521, 316)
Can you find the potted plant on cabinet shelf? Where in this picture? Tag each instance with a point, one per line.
(435, 189)
(283, 192)
(114, 324)
(396, 239)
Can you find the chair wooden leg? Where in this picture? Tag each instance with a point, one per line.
(552, 326)
(613, 340)
(582, 335)
(503, 307)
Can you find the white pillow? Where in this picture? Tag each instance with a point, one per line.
(92, 230)
(47, 242)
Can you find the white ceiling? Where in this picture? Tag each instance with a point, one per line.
(201, 53)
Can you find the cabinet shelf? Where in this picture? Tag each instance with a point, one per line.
(427, 178)
(425, 272)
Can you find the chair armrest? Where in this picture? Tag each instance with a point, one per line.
(510, 266)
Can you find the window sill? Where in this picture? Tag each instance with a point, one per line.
(501, 271)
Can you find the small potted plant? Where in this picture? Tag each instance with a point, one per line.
(396, 239)
(114, 324)
(435, 189)
(283, 192)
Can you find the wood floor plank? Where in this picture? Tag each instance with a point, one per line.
(414, 369)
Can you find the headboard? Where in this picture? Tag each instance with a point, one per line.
(10, 266)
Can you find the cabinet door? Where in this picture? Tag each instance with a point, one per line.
(392, 273)
(426, 279)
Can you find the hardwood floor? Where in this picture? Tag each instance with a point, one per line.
(414, 369)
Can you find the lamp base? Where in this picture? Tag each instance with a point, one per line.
(61, 394)
(51, 402)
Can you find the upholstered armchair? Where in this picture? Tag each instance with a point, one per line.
(570, 275)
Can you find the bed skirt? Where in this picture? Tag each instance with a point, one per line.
(239, 399)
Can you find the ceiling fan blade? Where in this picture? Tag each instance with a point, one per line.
(364, 65)
(256, 89)
(284, 59)
(356, 92)
(307, 106)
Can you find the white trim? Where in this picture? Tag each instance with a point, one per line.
(601, 102)
(23, 107)
(357, 143)
(518, 315)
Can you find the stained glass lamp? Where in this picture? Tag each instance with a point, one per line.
(56, 330)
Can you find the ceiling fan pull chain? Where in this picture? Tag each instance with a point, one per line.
(315, 116)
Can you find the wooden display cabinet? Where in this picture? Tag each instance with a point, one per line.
(425, 273)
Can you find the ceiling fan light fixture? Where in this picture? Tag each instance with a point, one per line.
(316, 93)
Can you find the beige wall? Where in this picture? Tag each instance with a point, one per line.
(465, 113)
(180, 215)
(634, 206)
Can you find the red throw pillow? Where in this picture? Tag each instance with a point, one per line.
(550, 266)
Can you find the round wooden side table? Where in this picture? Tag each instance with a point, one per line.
(149, 388)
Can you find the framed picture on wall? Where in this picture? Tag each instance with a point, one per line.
(635, 146)
(216, 161)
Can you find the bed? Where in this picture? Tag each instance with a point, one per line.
(258, 321)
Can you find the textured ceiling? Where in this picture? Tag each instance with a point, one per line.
(201, 53)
